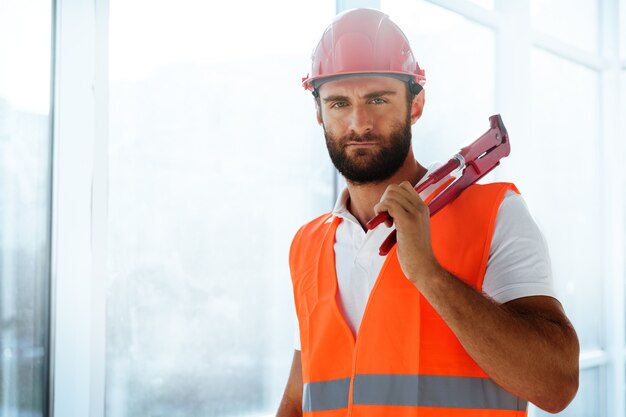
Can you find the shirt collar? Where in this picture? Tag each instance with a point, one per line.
(341, 205)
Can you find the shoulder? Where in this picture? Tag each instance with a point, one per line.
(495, 190)
(515, 217)
(310, 234)
(315, 225)
(480, 202)
(519, 260)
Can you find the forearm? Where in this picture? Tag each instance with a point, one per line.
(523, 350)
(289, 409)
(291, 403)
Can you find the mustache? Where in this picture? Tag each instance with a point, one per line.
(367, 137)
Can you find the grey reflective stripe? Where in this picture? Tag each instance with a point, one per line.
(326, 395)
(434, 391)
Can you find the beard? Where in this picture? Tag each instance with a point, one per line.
(366, 165)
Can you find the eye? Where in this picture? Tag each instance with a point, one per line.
(338, 104)
(378, 100)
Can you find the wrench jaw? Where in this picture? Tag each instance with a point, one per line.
(496, 122)
(492, 138)
(481, 165)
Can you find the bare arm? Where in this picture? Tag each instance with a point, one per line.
(528, 346)
(291, 404)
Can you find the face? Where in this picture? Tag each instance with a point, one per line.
(367, 124)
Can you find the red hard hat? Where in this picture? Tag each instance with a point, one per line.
(363, 41)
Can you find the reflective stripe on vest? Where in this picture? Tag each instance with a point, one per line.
(411, 390)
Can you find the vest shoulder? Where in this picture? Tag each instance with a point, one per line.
(315, 225)
(305, 238)
(462, 231)
(480, 200)
(494, 188)
(325, 218)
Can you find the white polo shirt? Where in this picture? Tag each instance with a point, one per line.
(518, 264)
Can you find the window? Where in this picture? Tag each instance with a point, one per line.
(555, 133)
(25, 43)
(575, 133)
(622, 30)
(573, 22)
(215, 160)
(488, 4)
(623, 134)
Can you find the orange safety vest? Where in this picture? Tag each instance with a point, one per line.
(405, 361)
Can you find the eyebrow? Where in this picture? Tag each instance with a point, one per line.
(380, 94)
(373, 94)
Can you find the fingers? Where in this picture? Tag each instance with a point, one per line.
(405, 185)
(412, 219)
(400, 200)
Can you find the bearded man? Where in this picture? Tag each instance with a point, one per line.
(460, 317)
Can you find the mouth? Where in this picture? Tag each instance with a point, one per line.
(361, 144)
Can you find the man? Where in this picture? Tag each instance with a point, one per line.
(459, 319)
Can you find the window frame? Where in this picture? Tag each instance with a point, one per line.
(79, 159)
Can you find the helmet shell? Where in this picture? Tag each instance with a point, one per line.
(362, 41)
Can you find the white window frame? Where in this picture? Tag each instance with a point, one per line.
(79, 204)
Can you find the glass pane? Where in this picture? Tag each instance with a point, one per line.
(575, 22)
(563, 154)
(622, 28)
(25, 39)
(216, 159)
(487, 4)
(590, 399)
(460, 89)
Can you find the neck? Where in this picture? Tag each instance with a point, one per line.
(363, 197)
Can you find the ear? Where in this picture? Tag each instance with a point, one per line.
(318, 113)
(418, 106)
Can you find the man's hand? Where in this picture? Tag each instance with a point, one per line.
(412, 219)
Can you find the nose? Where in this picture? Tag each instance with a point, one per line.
(361, 120)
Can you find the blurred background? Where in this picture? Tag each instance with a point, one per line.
(157, 157)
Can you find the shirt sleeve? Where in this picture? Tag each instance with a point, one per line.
(519, 262)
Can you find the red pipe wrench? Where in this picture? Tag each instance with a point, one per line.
(476, 160)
